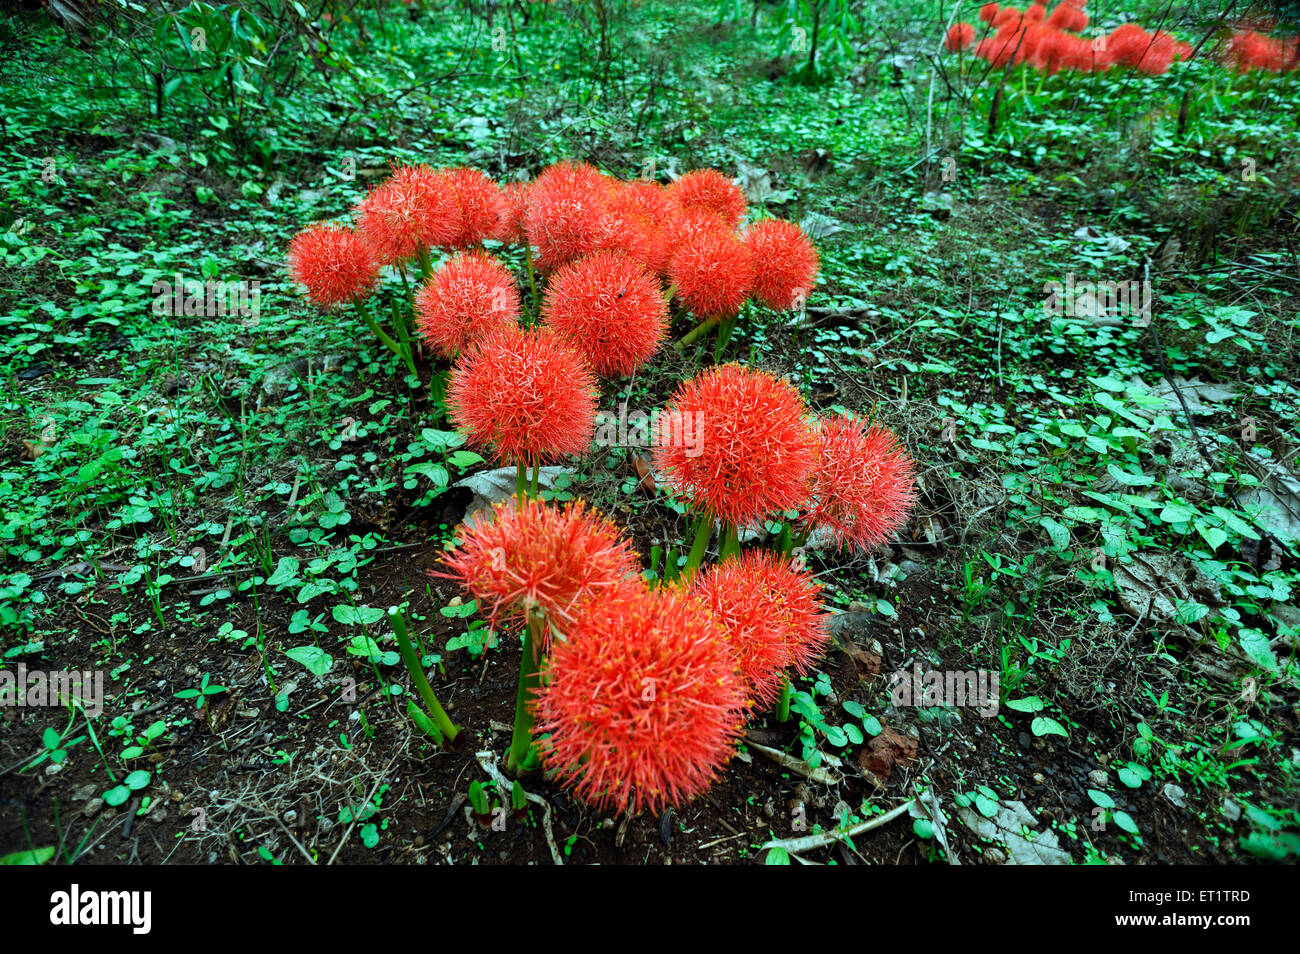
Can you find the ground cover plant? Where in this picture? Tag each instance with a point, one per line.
(615, 431)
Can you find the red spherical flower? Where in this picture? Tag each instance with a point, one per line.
(785, 263)
(334, 263)
(675, 228)
(988, 12)
(772, 614)
(480, 203)
(1002, 48)
(566, 214)
(713, 271)
(1068, 17)
(638, 212)
(959, 37)
(413, 208)
(709, 189)
(610, 308)
(539, 556)
(1007, 17)
(642, 705)
(470, 296)
(528, 396)
(752, 450)
(862, 487)
(510, 226)
(1036, 12)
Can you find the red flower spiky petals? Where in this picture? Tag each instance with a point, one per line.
(610, 308)
(959, 37)
(334, 263)
(785, 263)
(510, 227)
(413, 208)
(754, 451)
(480, 205)
(539, 555)
(566, 213)
(713, 271)
(470, 296)
(772, 614)
(711, 190)
(642, 704)
(862, 488)
(528, 396)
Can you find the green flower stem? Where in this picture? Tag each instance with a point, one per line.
(406, 354)
(724, 336)
(730, 543)
(448, 729)
(520, 757)
(426, 266)
(378, 332)
(703, 529)
(521, 482)
(783, 705)
(537, 475)
(532, 279)
(694, 333)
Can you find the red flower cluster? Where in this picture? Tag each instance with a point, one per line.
(1253, 51)
(773, 617)
(610, 308)
(862, 486)
(642, 704)
(754, 450)
(525, 395)
(1051, 44)
(785, 263)
(533, 555)
(334, 263)
(467, 298)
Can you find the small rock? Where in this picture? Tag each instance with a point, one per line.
(1099, 779)
(92, 807)
(994, 856)
(1039, 778)
(1175, 794)
(53, 769)
(1231, 810)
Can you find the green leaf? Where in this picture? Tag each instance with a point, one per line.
(1256, 647)
(286, 573)
(36, 856)
(1125, 821)
(1045, 725)
(317, 661)
(1101, 798)
(777, 856)
(351, 615)
(1027, 704)
(136, 780)
(116, 796)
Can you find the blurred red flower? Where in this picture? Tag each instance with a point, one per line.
(709, 189)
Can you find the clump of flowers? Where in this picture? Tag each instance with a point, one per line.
(772, 614)
(334, 263)
(610, 308)
(710, 190)
(480, 207)
(467, 298)
(785, 263)
(960, 36)
(567, 206)
(642, 704)
(404, 215)
(542, 564)
(862, 487)
(713, 271)
(1249, 50)
(526, 396)
(755, 450)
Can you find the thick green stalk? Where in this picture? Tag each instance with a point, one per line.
(448, 729)
(730, 543)
(724, 337)
(378, 332)
(703, 529)
(521, 482)
(783, 705)
(520, 757)
(537, 476)
(694, 333)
